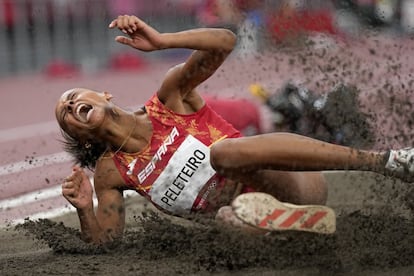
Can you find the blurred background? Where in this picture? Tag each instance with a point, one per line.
(49, 46)
(62, 36)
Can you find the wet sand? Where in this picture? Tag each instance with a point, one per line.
(375, 236)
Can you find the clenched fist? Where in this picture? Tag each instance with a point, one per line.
(141, 36)
(77, 189)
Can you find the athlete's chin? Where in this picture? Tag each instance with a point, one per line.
(96, 119)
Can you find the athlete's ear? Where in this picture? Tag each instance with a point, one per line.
(108, 96)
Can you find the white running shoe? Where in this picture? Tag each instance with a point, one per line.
(265, 212)
(401, 164)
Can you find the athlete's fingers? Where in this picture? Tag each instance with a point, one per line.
(123, 30)
(133, 21)
(77, 169)
(113, 24)
(68, 185)
(79, 174)
(72, 176)
(74, 180)
(125, 23)
(124, 40)
(69, 193)
(130, 24)
(72, 184)
(117, 23)
(135, 25)
(68, 178)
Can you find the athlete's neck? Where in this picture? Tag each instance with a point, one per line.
(127, 131)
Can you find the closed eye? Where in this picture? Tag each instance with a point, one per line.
(63, 114)
(70, 98)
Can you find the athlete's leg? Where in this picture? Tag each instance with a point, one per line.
(294, 187)
(290, 152)
(249, 160)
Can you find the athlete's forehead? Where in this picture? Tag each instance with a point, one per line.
(66, 94)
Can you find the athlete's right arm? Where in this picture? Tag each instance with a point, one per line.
(211, 47)
(108, 222)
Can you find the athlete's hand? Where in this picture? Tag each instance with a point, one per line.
(77, 189)
(141, 36)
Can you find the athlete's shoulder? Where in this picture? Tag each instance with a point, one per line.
(170, 86)
(106, 174)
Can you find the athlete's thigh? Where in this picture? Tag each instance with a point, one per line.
(244, 152)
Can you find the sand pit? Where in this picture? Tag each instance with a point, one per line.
(375, 236)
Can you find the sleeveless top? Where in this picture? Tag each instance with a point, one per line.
(173, 171)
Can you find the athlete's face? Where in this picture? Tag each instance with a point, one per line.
(79, 111)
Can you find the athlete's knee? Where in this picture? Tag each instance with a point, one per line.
(226, 215)
(221, 155)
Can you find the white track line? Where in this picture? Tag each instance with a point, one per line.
(56, 212)
(38, 196)
(44, 160)
(43, 194)
(30, 197)
(28, 131)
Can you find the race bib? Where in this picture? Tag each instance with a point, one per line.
(188, 170)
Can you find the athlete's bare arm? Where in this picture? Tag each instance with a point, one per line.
(109, 185)
(211, 46)
(109, 221)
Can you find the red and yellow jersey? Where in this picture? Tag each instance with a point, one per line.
(173, 171)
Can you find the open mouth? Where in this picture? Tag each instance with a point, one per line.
(83, 112)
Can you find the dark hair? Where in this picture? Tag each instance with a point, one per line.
(85, 154)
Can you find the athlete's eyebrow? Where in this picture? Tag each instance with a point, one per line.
(71, 95)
